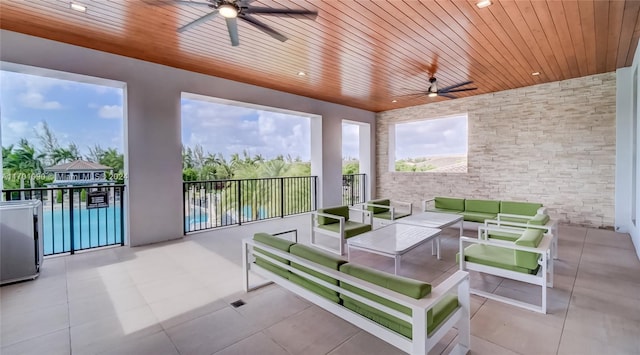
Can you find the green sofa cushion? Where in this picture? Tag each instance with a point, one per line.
(443, 210)
(492, 256)
(350, 228)
(539, 220)
(318, 257)
(477, 216)
(449, 203)
(521, 208)
(501, 235)
(403, 285)
(435, 316)
(530, 238)
(341, 211)
(314, 287)
(387, 215)
(515, 219)
(482, 206)
(275, 242)
(374, 210)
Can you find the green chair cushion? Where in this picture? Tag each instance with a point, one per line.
(529, 238)
(443, 210)
(501, 235)
(387, 215)
(374, 210)
(351, 228)
(435, 316)
(477, 216)
(320, 258)
(521, 208)
(314, 287)
(449, 203)
(403, 285)
(340, 211)
(539, 220)
(482, 206)
(492, 256)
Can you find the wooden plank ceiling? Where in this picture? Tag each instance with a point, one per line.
(358, 53)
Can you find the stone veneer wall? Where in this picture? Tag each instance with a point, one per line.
(552, 143)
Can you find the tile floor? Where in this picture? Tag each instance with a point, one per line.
(174, 298)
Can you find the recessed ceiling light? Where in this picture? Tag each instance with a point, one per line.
(483, 3)
(394, 100)
(535, 73)
(78, 7)
(301, 73)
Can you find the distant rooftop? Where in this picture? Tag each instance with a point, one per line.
(79, 165)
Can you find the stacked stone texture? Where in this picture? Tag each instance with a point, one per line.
(552, 143)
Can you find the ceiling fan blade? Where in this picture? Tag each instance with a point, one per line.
(456, 85)
(264, 28)
(232, 27)
(447, 95)
(423, 93)
(280, 12)
(186, 2)
(456, 90)
(198, 21)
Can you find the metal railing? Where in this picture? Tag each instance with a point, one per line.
(72, 219)
(217, 203)
(354, 189)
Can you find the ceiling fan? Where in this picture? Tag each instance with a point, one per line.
(232, 10)
(435, 91)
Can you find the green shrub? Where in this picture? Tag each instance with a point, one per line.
(59, 196)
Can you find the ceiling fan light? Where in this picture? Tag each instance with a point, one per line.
(228, 11)
(432, 94)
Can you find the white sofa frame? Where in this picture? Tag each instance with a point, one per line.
(393, 206)
(544, 277)
(551, 228)
(315, 228)
(420, 342)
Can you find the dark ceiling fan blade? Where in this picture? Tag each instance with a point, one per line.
(186, 2)
(198, 21)
(422, 93)
(447, 95)
(264, 28)
(456, 90)
(455, 86)
(232, 27)
(280, 12)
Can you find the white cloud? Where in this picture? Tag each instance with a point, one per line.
(110, 111)
(350, 140)
(12, 131)
(36, 100)
(447, 136)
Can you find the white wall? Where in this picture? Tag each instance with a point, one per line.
(152, 129)
(625, 116)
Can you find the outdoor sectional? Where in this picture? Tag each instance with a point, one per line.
(406, 313)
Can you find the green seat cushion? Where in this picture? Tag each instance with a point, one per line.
(492, 256)
(435, 316)
(449, 203)
(501, 235)
(350, 228)
(539, 220)
(340, 211)
(514, 219)
(374, 210)
(521, 208)
(482, 206)
(443, 210)
(387, 215)
(275, 242)
(477, 216)
(529, 238)
(314, 287)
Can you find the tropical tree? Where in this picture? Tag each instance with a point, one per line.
(95, 153)
(112, 159)
(65, 155)
(24, 159)
(48, 142)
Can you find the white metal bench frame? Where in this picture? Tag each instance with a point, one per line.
(544, 277)
(420, 342)
(316, 228)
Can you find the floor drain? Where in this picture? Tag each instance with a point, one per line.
(237, 303)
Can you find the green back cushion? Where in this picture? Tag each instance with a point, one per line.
(530, 238)
(341, 211)
(375, 210)
(483, 206)
(521, 208)
(403, 285)
(449, 203)
(396, 215)
(320, 258)
(351, 228)
(275, 242)
(539, 220)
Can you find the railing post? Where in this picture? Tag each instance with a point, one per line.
(184, 208)
(239, 199)
(282, 197)
(71, 229)
(351, 187)
(122, 216)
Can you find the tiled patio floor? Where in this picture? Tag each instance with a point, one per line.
(173, 298)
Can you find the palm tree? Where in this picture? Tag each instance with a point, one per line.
(24, 159)
(113, 159)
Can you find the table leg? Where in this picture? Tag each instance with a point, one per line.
(433, 247)
(397, 264)
(438, 247)
(461, 226)
(348, 252)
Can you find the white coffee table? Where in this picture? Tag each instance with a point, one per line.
(393, 240)
(434, 220)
